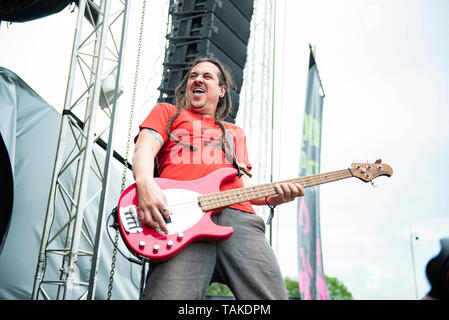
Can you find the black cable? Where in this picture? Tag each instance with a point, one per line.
(130, 259)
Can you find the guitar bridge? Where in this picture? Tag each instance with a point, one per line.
(130, 219)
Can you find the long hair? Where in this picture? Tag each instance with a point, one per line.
(224, 106)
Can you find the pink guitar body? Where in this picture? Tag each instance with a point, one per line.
(189, 223)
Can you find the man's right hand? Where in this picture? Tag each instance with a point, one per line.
(153, 209)
(152, 201)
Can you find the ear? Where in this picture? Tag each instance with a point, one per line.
(222, 91)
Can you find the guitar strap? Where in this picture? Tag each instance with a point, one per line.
(234, 158)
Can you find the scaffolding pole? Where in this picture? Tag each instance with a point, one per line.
(88, 114)
(256, 96)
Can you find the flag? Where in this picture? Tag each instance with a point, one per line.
(312, 282)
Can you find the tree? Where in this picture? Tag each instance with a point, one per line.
(218, 289)
(335, 289)
(292, 287)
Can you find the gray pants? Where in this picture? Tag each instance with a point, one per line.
(245, 263)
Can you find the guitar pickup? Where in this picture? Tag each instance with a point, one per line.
(130, 219)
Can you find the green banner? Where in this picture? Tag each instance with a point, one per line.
(312, 282)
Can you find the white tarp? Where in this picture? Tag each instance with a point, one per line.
(30, 129)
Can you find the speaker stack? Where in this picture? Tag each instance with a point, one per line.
(207, 28)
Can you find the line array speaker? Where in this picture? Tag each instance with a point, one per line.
(207, 28)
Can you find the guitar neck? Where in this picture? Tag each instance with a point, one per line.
(223, 199)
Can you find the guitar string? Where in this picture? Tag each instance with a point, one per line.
(263, 190)
(224, 198)
(186, 205)
(269, 186)
(266, 189)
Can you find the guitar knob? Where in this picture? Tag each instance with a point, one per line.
(169, 243)
(180, 236)
(142, 244)
(156, 247)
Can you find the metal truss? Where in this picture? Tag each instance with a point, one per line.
(88, 117)
(256, 113)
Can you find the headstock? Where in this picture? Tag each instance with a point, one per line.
(370, 171)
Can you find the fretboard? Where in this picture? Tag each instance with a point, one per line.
(223, 199)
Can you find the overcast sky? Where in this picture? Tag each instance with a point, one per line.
(385, 69)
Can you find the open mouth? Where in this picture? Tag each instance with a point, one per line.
(198, 91)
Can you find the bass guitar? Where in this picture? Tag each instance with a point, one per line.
(192, 204)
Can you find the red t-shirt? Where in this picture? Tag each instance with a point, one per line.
(178, 162)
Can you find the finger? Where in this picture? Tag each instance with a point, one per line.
(300, 189)
(166, 215)
(279, 190)
(287, 188)
(291, 191)
(279, 198)
(159, 219)
(294, 191)
(147, 218)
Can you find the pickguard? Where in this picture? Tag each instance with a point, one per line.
(183, 204)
